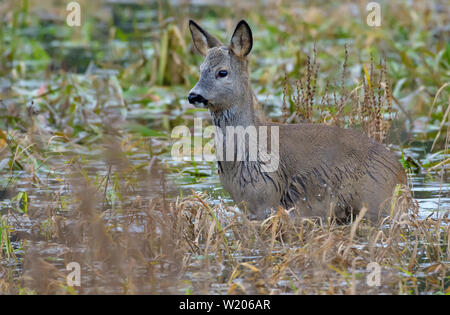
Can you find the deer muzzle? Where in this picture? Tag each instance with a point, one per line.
(197, 100)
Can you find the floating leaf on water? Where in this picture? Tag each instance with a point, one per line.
(144, 131)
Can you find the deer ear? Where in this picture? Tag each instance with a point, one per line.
(242, 40)
(202, 39)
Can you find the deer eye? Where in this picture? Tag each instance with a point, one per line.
(222, 73)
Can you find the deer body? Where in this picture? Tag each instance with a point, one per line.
(322, 170)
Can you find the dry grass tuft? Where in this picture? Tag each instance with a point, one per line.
(191, 246)
(367, 106)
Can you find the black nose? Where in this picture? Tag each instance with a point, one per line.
(196, 98)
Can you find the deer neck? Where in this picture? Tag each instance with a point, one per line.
(241, 114)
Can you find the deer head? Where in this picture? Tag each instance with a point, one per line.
(224, 75)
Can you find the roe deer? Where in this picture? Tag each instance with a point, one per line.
(322, 169)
